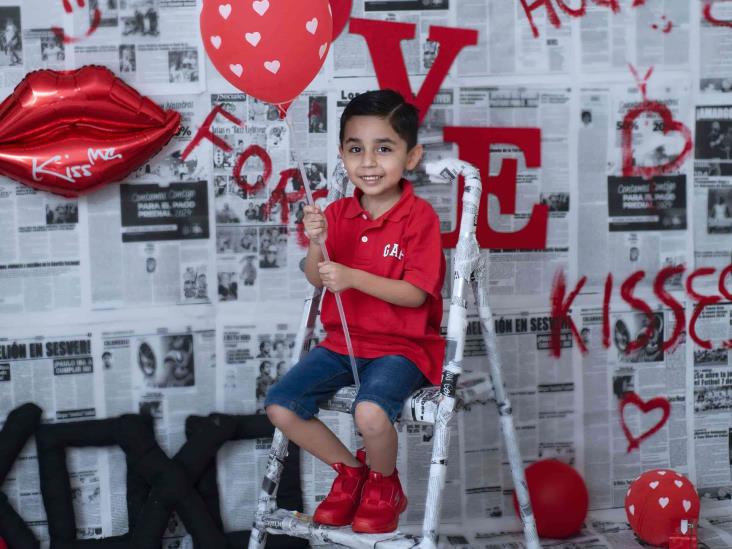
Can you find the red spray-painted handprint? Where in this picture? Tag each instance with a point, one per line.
(65, 38)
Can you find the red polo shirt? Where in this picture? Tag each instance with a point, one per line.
(403, 244)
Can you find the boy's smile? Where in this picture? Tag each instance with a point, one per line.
(375, 157)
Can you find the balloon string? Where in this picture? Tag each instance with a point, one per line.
(324, 251)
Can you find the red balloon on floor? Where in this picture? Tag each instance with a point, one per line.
(559, 498)
(657, 502)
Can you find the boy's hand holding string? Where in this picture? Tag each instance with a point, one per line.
(336, 277)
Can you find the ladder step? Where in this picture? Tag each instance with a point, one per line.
(421, 406)
(293, 523)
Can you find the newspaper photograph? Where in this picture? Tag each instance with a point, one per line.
(712, 192)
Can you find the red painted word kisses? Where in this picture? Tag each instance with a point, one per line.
(561, 303)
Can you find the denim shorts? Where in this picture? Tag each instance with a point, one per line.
(386, 381)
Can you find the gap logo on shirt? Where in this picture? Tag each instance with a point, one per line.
(393, 250)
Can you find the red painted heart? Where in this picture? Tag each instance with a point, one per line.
(669, 125)
(645, 407)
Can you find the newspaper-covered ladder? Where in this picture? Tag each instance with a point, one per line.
(429, 405)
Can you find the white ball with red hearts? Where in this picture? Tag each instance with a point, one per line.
(657, 502)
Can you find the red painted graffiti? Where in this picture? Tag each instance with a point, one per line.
(667, 125)
(709, 17)
(560, 313)
(278, 195)
(65, 38)
(667, 27)
(561, 307)
(572, 10)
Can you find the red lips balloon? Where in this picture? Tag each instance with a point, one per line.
(69, 132)
(269, 49)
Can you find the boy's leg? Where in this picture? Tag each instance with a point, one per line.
(386, 382)
(379, 436)
(311, 435)
(292, 403)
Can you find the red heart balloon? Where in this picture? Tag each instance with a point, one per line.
(69, 132)
(669, 125)
(269, 49)
(341, 11)
(645, 407)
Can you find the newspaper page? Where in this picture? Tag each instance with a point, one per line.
(506, 44)
(55, 369)
(351, 56)
(647, 34)
(154, 45)
(526, 272)
(149, 237)
(641, 223)
(28, 42)
(40, 251)
(715, 66)
(613, 526)
(259, 195)
(712, 196)
(712, 405)
(253, 356)
(541, 389)
(607, 376)
(162, 368)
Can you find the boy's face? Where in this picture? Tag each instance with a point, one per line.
(375, 156)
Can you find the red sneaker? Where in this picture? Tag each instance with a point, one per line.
(382, 501)
(339, 506)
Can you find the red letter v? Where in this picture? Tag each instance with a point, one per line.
(384, 40)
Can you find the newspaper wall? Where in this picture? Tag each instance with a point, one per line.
(153, 45)
(57, 370)
(607, 376)
(203, 225)
(642, 223)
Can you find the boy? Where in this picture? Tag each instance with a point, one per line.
(387, 262)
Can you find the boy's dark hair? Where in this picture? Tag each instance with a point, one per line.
(389, 105)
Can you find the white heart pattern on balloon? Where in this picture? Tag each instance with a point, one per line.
(260, 6)
(253, 38)
(272, 66)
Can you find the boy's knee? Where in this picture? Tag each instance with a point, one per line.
(371, 419)
(280, 416)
